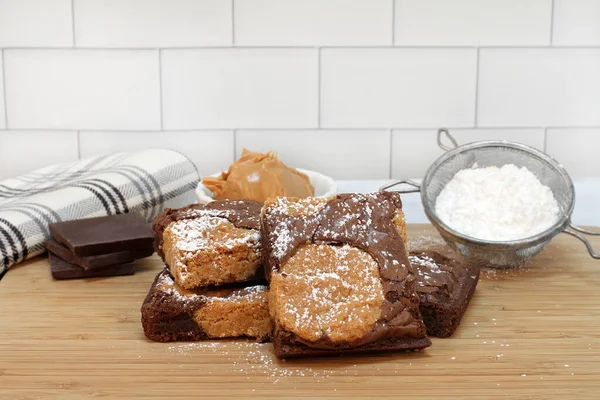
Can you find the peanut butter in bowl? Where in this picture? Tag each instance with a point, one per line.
(259, 176)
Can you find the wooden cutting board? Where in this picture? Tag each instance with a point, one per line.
(532, 333)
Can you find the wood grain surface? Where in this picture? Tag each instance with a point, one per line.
(532, 333)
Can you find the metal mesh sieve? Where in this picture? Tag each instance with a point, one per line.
(497, 153)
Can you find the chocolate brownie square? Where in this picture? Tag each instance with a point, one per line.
(340, 279)
(445, 288)
(212, 244)
(172, 313)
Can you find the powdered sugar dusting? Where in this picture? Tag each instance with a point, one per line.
(431, 267)
(207, 232)
(251, 359)
(353, 215)
(316, 293)
(498, 204)
(282, 241)
(297, 208)
(167, 285)
(426, 241)
(300, 209)
(249, 293)
(201, 233)
(427, 262)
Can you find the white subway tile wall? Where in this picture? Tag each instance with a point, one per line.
(577, 149)
(2, 105)
(413, 151)
(576, 23)
(352, 88)
(473, 22)
(240, 88)
(82, 89)
(152, 23)
(313, 22)
(345, 154)
(397, 87)
(25, 151)
(539, 87)
(36, 23)
(210, 151)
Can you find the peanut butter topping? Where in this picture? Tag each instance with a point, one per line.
(327, 291)
(257, 176)
(210, 250)
(235, 316)
(400, 223)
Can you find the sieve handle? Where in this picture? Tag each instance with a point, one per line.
(576, 231)
(416, 187)
(444, 131)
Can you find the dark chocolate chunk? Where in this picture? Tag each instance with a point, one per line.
(445, 288)
(110, 234)
(99, 261)
(63, 270)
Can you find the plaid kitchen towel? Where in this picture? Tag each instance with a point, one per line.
(144, 182)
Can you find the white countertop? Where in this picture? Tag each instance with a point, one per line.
(587, 204)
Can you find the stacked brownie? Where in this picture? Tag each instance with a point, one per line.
(445, 288)
(340, 278)
(213, 285)
(94, 247)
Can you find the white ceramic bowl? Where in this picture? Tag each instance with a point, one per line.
(324, 186)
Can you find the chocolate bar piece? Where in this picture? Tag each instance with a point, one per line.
(172, 313)
(445, 288)
(212, 244)
(340, 279)
(110, 234)
(99, 261)
(61, 269)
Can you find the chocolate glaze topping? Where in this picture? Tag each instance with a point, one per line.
(435, 272)
(437, 276)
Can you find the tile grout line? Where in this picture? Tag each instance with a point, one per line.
(319, 88)
(477, 88)
(78, 145)
(3, 77)
(234, 143)
(545, 139)
(391, 132)
(393, 22)
(552, 23)
(233, 23)
(265, 47)
(73, 22)
(332, 129)
(160, 89)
